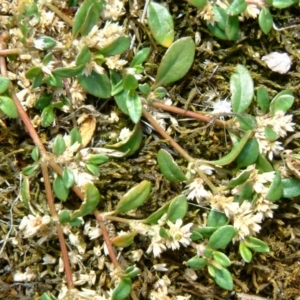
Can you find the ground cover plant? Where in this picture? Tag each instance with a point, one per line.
(149, 149)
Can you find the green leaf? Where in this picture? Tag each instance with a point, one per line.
(283, 3)
(93, 169)
(48, 296)
(44, 43)
(134, 106)
(196, 263)
(263, 99)
(68, 72)
(216, 219)
(29, 170)
(160, 92)
(263, 165)
(256, 244)
(233, 154)
(242, 178)
(53, 80)
(223, 279)
(130, 82)
(33, 72)
(134, 198)
(198, 3)
(265, 20)
(96, 84)
(84, 56)
(242, 90)
(216, 31)
(90, 203)
(35, 154)
(86, 17)
(247, 122)
(246, 192)
(270, 134)
(176, 62)
(97, 159)
(145, 88)
(222, 237)
(282, 101)
(291, 187)
(249, 154)
(37, 81)
(154, 217)
(64, 217)
(196, 235)
(236, 7)
(124, 240)
(245, 252)
(4, 84)
(161, 24)
(118, 46)
(8, 107)
(206, 231)
(221, 258)
(61, 192)
(168, 167)
(140, 57)
(177, 209)
(75, 136)
(232, 28)
(276, 188)
(59, 145)
(131, 144)
(43, 101)
(122, 290)
(68, 178)
(47, 58)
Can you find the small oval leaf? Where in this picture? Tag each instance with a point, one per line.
(60, 190)
(168, 167)
(177, 209)
(90, 203)
(161, 24)
(242, 89)
(134, 198)
(8, 107)
(222, 237)
(176, 62)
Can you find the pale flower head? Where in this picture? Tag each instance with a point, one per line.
(196, 190)
(246, 221)
(35, 226)
(223, 204)
(178, 235)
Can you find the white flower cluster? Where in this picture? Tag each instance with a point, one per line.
(247, 216)
(280, 124)
(176, 235)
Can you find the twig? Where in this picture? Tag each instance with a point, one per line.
(166, 136)
(32, 132)
(187, 113)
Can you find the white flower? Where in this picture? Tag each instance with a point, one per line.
(160, 267)
(196, 190)
(178, 234)
(264, 206)
(27, 276)
(115, 63)
(246, 221)
(222, 107)
(156, 246)
(278, 62)
(124, 134)
(223, 204)
(34, 225)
